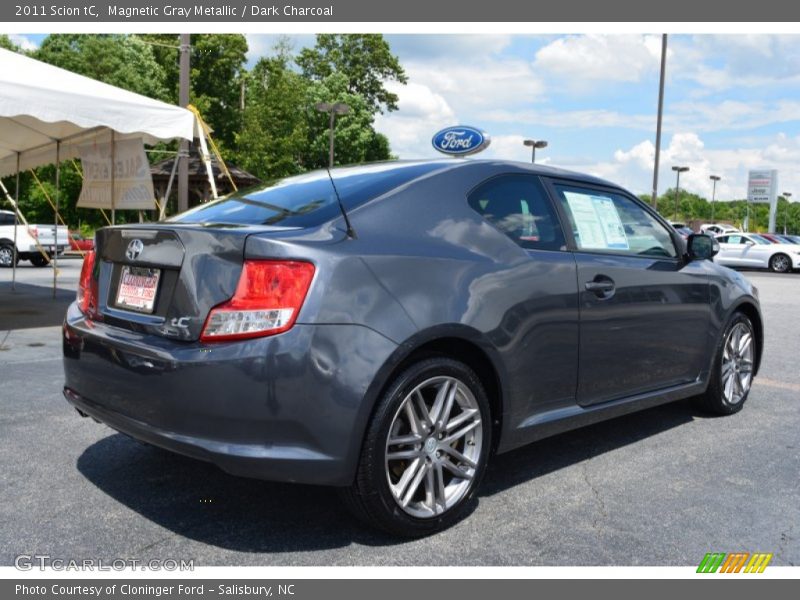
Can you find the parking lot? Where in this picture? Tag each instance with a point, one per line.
(660, 487)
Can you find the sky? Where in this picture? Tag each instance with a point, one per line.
(732, 102)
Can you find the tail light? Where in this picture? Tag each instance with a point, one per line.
(267, 301)
(87, 286)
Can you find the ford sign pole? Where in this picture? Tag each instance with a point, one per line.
(461, 140)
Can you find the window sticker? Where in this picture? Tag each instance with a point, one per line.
(597, 222)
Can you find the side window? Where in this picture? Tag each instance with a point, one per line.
(6, 219)
(722, 239)
(605, 221)
(735, 239)
(519, 207)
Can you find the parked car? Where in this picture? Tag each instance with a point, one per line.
(27, 238)
(756, 251)
(386, 328)
(719, 228)
(771, 237)
(79, 243)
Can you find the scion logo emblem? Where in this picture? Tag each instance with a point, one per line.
(134, 249)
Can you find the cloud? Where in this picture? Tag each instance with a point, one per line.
(608, 58)
(632, 168)
(421, 113)
(23, 41)
(479, 84)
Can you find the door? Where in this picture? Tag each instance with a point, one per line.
(530, 307)
(644, 312)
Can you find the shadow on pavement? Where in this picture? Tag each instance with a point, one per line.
(198, 501)
(30, 306)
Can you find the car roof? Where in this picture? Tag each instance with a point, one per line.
(447, 164)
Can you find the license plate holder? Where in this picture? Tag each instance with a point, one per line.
(138, 288)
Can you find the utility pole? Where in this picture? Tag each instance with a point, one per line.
(788, 196)
(678, 171)
(183, 100)
(654, 200)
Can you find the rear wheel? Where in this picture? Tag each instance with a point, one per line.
(40, 261)
(425, 450)
(780, 263)
(732, 375)
(7, 256)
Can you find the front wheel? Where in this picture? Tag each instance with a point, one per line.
(732, 373)
(7, 256)
(425, 450)
(780, 263)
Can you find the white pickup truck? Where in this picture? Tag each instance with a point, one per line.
(27, 238)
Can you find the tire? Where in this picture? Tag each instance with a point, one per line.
(732, 373)
(7, 256)
(40, 261)
(780, 263)
(440, 497)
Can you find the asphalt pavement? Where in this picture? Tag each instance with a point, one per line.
(660, 487)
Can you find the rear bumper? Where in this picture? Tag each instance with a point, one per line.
(291, 407)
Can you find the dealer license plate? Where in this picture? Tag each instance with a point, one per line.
(137, 288)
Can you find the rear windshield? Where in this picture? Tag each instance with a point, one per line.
(306, 200)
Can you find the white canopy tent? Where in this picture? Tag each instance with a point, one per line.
(48, 113)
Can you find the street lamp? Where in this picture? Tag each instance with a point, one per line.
(332, 109)
(678, 171)
(786, 195)
(534, 144)
(715, 179)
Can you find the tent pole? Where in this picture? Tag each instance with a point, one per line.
(55, 220)
(16, 223)
(113, 177)
(206, 159)
(169, 188)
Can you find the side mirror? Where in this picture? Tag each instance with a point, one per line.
(700, 246)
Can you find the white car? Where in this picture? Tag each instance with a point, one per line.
(27, 238)
(752, 250)
(718, 228)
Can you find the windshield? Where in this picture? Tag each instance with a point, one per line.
(307, 200)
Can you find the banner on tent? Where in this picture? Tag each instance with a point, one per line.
(132, 182)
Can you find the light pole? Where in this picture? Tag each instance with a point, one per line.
(786, 195)
(332, 109)
(659, 118)
(534, 144)
(715, 179)
(678, 171)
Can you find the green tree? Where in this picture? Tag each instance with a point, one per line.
(355, 139)
(274, 133)
(5, 42)
(218, 70)
(365, 61)
(121, 60)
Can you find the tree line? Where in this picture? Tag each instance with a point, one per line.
(262, 117)
(692, 207)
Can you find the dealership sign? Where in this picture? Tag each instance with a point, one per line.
(460, 141)
(762, 186)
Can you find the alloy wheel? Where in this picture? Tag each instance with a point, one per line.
(434, 446)
(780, 263)
(6, 256)
(737, 363)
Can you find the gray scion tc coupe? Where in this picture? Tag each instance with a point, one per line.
(386, 328)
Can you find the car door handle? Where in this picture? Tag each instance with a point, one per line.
(601, 286)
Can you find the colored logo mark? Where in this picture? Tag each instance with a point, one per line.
(736, 562)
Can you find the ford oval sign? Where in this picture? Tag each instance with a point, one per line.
(460, 141)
